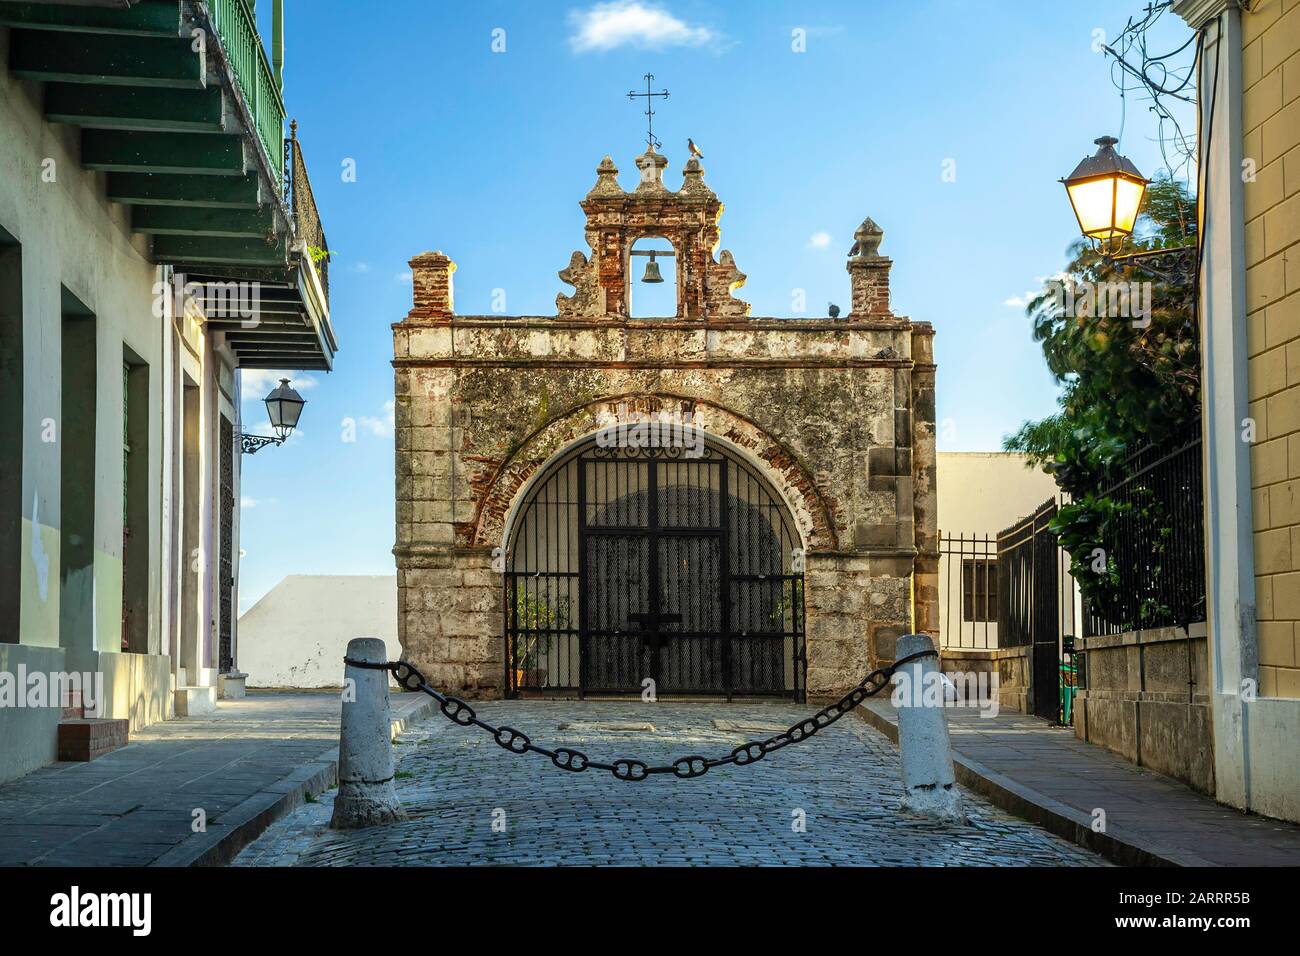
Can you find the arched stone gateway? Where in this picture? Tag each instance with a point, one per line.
(829, 422)
(671, 561)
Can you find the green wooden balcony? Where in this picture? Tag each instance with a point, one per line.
(190, 136)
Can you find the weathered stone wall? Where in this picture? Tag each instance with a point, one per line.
(482, 405)
(837, 415)
(1147, 700)
(1010, 664)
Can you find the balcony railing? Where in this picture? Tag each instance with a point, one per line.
(237, 27)
(302, 205)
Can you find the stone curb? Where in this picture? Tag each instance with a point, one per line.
(245, 822)
(1117, 845)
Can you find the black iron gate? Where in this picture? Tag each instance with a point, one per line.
(1029, 604)
(630, 564)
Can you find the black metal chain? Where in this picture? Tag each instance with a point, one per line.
(686, 768)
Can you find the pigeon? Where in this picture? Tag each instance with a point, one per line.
(695, 150)
(834, 310)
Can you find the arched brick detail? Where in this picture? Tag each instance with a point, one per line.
(501, 493)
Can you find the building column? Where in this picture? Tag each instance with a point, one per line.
(1229, 538)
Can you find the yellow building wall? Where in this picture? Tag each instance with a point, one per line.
(1271, 120)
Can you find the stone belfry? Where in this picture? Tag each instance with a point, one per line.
(782, 554)
(687, 218)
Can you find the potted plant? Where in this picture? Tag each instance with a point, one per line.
(534, 613)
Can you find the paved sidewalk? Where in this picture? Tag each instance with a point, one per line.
(1047, 775)
(250, 763)
(832, 800)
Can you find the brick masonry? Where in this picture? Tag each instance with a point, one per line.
(1270, 104)
(836, 414)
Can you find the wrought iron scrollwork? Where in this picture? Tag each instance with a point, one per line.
(251, 444)
(631, 769)
(651, 451)
(1177, 266)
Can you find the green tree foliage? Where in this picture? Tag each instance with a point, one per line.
(1125, 384)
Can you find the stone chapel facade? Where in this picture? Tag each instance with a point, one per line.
(719, 503)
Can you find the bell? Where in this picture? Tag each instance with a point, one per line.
(652, 271)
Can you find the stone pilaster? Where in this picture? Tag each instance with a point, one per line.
(925, 516)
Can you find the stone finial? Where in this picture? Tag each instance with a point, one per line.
(869, 272)
(431, 274)
(606, 180)
(693, 179)
(652, 166)
(867, 239)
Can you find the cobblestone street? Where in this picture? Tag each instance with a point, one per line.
(845, 782)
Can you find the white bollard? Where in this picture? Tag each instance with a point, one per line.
(929, 785)
(366, 795)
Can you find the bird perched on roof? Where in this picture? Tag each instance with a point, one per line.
(695, 150)
(834, 310)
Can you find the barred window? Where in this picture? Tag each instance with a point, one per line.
(979, 588)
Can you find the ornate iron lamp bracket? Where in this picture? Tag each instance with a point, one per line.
(251, 444)
(1176, 266)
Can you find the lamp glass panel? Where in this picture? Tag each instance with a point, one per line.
(284, 412)
(1128, 200)
(1094, 205)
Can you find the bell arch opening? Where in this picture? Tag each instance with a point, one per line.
(657, 554)
(654, 283)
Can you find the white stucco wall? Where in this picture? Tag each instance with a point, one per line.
(982, 493)
(60, 231)
(295, 636)
(986, 491)
(73, 237)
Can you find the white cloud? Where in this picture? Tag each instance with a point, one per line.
(359, 267)
(819, 240)
(382, 426)
(606, 26)
(256, 383)
(403, 277)
(1020, 301)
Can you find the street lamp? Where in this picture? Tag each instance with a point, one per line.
(284, 408)
(1106, 192)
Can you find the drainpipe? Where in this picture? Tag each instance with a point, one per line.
(277, 43)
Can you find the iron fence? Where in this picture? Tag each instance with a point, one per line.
(1154, 544)
(969, 605)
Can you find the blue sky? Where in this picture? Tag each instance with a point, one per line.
(486, 154)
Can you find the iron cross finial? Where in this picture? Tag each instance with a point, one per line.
(652, 143)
